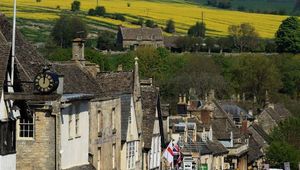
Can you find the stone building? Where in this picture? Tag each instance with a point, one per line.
(152, 129)
(130, 38)
(105, 133)
(271, 116)
(7, 121)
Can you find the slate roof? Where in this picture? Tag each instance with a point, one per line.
(145, 33)
(125, 113)
(236, 111)
(115, 83)
(259, 135)
(217, 148)
(28, 61)
(149, 105)
(205, 148)
(223, 125)
(75, 79)
(4, 57)
(170, 41)
(254, 152)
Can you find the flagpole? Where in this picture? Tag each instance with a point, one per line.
(13, 44)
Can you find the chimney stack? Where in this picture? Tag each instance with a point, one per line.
(78, 49)
(120, 68)
(60, 88)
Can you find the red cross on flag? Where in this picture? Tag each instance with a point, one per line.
(168, 153)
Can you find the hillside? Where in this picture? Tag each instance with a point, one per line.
(36, 18)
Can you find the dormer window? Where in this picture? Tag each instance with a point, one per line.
(139, 37)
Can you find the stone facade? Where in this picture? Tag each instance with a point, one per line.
(38, 153)
(105, 134)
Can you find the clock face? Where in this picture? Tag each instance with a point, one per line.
(46, 82)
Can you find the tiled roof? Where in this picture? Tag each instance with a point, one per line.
(75, 79)
(259, 134)
(145, 33)
(125, 113)
(254, 152)
(115, 83)
(28, 61)
(216, 147)
(149, 105)
(4, 57)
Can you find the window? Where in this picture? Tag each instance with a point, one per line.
(77, 124)
(113, 118)
(114, 156)
(26, 128)
(70, 125)
(99, 120)
(99, 159)
(130, 155)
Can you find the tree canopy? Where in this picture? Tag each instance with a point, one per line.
(67, 28)
(197, 30)
(75, 6)
(244, 36)
(285, 144)
(170, 26)
(287, 37)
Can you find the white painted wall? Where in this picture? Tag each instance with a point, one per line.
(8, 162)
(74, 151)
(155, 153)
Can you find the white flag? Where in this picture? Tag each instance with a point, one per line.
(168, 154)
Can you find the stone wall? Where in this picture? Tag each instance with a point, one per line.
(101, 142)
(38, 153)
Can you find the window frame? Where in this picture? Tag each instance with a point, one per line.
(130, 155)
(28, 124)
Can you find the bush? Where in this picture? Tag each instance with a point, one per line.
(241, 8)
(197, 30)
(120, 17)
(100, 11)
(75, 6)
(106, 40)
(91, 12)
(170, 26)
(150, 23)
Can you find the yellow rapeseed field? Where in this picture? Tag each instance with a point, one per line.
(184, 14)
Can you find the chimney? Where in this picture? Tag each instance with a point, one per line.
(184, 99)
(120, 68)
(78, 49)
(244, 97)
(60, 88)
(211, 95)
(179, 99)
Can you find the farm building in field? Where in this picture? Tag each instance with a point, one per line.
(130, 38)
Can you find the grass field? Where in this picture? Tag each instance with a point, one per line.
(184, 14)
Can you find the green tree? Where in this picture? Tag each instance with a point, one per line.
(150, 24)
(287, 37)
(170, 26)
(106, 40)
(75, 6)
(67, 28)
(197, 30)
(252, 75)
(244, 36)
(210, 43)
(285, 144)
(100, 11)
